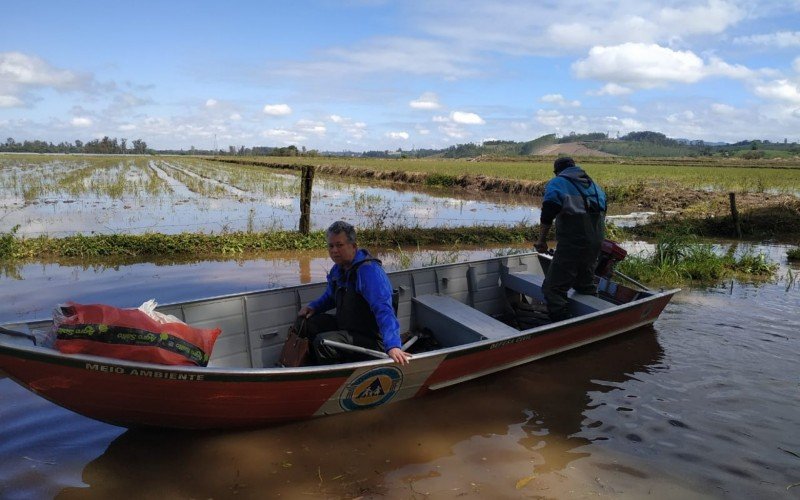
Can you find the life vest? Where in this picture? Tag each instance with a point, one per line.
(352, 309)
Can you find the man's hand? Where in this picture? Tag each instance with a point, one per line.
(305, 312)
(540, 246)
(399, 356)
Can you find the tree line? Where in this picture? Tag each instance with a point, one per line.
(105, 145)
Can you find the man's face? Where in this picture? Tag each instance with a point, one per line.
(342, 252)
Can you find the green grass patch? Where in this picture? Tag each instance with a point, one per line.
(722, 174)
(679, 257)
(793, 254)
(156, 245)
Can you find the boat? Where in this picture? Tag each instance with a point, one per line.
(468, 320)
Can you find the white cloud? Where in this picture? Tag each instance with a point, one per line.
(550, 117)
(311, 127)
(613, 89)
(277, 109)
(640, 65)
(81, 121)
(796, 65)
(390, 55)
(126, 127)
(781, 39)
(235, 117)
(559, 100)
(628, 109)
(397, 135)
(465, 118)
(426, 101)
(722, 109)
(210, 103)
(440, 119)
(283, 135)
(453, 131)
(22, 69)
(10, 101)
(780, 90)
(681, 117)
(524, 27)
(712, 18)
(355, 130)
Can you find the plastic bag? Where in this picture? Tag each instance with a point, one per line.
(140, 334)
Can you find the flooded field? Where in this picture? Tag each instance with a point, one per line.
(66, 195)
(702, 405)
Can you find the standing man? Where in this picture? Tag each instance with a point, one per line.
(360, 290)
(578, 206)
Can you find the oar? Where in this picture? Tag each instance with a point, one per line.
(364, 350)
(620, 274)
(14, 333)
(355, 348)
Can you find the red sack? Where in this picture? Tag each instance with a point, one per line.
(131, 334)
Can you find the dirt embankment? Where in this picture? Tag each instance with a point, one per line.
(672, 200)
(570, 149)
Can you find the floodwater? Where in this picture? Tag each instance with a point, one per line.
(702, 405)
(65, 195)
(61, 195)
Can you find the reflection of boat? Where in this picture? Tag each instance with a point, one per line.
(459, 307)
(547, 400)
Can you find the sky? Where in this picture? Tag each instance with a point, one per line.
(363, 75)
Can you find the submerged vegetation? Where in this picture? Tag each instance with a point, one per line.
(245, 187)
(680, 257)
(677, 258)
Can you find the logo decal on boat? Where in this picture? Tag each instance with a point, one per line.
(371, 389)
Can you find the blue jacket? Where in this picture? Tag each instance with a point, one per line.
(373, 284)
(571, 192)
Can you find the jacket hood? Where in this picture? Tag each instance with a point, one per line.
(361, 254)
(576, 174)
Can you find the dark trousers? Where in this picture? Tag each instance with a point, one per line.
(571, 267)
(321, 327)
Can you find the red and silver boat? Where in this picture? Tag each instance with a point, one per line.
(469, 317)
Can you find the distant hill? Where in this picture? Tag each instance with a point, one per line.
(634, 144)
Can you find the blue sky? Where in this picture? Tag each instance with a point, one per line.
(371, 74)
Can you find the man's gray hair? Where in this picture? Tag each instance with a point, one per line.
(341, 226)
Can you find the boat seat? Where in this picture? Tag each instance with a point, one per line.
(531, 285)
(455, 323)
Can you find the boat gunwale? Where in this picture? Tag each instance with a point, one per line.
(53, 356)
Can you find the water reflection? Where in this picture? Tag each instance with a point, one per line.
(375, 452)
(171, 195)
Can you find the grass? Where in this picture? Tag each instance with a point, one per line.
(234, 243)
(679, 257)
(776, 222)
(793, 254)
(725, 174)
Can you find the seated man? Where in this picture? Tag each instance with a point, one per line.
(361, 293)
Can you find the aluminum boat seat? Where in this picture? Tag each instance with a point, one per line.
(455, 323)
(531, 285)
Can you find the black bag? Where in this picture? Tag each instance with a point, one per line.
(295, 351)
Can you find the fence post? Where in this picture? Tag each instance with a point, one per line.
(306, 183)
(735, 215)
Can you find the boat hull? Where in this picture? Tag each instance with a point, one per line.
(134, 394)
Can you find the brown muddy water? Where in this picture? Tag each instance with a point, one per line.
(702, 405)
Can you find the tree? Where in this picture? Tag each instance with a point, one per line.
(139, 147)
